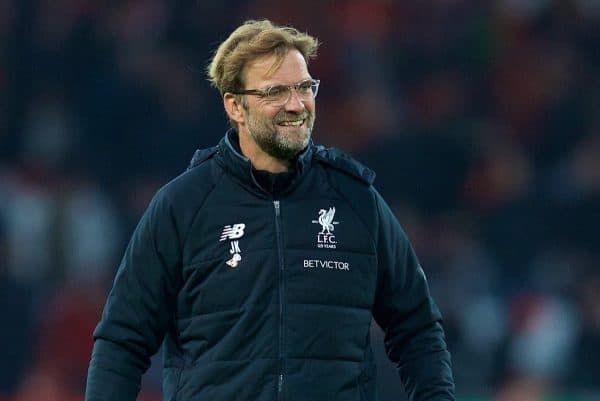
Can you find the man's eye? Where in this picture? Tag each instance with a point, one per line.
(276, 91)
(305, 86)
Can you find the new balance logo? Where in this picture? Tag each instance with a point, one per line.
(233, 232)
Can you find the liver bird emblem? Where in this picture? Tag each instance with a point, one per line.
(326, 220)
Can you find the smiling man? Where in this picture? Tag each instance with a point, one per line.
(259, 268)
(274, 123)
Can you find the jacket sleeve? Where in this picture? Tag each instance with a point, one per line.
(139, 307)
(404, 309)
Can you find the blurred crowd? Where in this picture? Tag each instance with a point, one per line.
(480, 119)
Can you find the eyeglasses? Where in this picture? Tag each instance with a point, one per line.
(279, 95)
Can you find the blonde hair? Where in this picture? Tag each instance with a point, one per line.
(249, 41)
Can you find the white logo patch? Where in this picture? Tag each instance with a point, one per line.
(235, 259)
(233, 233)
(325, 237)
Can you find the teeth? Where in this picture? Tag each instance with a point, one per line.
(292, 123)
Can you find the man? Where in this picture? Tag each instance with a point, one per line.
(260, 267)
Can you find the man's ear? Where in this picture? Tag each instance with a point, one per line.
(233, 107)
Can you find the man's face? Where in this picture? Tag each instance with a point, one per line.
(281, 131)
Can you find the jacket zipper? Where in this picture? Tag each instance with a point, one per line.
(281, 299)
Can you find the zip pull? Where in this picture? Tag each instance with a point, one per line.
(276, 204)
(280, 386)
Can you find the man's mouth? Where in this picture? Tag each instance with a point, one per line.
(292, 123)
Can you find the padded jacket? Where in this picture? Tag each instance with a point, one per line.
(263, 297)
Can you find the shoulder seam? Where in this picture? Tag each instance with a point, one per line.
(366, 177)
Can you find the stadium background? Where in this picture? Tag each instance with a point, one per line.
(480, 118)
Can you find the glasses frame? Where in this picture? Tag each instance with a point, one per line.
(264, 93)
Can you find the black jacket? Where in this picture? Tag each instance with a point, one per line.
(260, 297)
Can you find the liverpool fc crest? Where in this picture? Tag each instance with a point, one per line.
(325, 237)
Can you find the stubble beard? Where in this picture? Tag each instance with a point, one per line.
(281, 144)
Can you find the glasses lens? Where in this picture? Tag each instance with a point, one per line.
(314, 86)
(305, 89)
(278, 94)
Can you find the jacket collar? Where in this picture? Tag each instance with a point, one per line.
(239, 166)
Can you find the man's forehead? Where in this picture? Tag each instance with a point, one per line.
(261, 71)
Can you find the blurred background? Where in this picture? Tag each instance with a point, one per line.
(481, 120)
